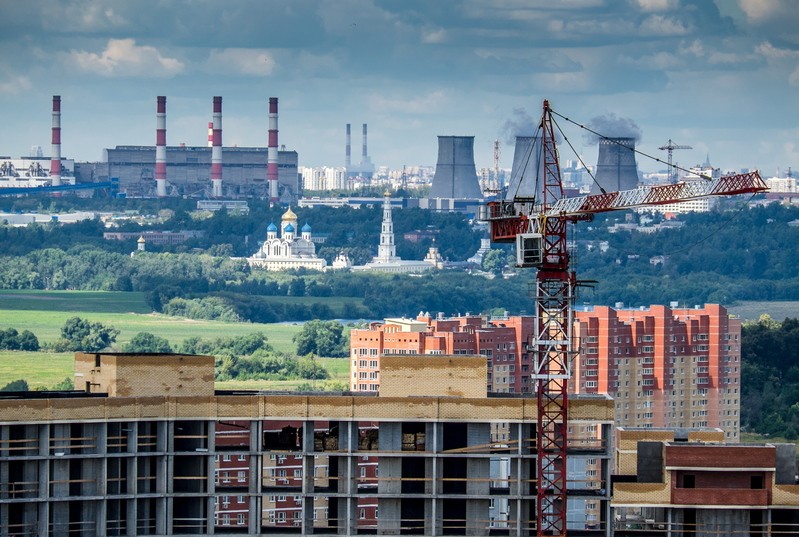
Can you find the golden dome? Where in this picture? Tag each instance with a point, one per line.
(289, 215)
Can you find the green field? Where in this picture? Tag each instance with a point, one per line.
(39, 369)
(44, 313)
(752, 310)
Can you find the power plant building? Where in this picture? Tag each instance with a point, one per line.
(188, 169)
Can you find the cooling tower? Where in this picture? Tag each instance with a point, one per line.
(616, 168)
(455, 176)
(526, 174)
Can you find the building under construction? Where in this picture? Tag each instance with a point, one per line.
(149, 449)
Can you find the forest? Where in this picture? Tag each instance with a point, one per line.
(770, 377)
(718, 257)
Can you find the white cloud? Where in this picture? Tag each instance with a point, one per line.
(14, 84)
(660, 25)
(656, 5)
(122, 57)
(434, 36)
(782, 57)
(758, 10)
(423, 104)
(255, 62)
(793, 78)
(771, 52)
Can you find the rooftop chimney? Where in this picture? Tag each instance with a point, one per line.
(271, 157)
(216, 150)
(55, 155)
(160, 147)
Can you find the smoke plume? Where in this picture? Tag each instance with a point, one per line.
(612, 126)
(519, 124)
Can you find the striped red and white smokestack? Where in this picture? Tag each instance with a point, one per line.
(210, 134)
(55, 153)
(271, 157)
(364, 144)
(160, 147)
(216, 151)
(347, 154)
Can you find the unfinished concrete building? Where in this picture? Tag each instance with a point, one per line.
(688, 482)
(149, 448)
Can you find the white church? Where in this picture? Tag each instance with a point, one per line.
(288, 250)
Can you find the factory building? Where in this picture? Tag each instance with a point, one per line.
(149, 448)
(188, 169)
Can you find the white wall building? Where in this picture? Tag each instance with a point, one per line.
(287, 250)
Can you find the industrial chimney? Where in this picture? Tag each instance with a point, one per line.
(216, 151)
(347, 157)
(210, 134)
(363, 152)
(455, 175)
(616, 168)
(55, 155)
(271, 157)
(160, 147)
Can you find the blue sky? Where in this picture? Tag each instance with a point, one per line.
(721, 76)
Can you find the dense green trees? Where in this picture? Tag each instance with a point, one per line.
(79, 334)
(770, 377)
(322, 338)
(12, 340)
(145, 342)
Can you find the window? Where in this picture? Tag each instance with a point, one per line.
(240, 519)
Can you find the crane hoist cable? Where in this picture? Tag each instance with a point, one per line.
(566, 138)
(634, 150)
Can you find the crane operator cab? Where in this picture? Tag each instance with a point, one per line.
(529, 250)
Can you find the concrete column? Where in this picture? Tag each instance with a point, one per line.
(477, 516)
(256, 474)
(44, 478)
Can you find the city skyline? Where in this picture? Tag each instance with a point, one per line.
(718, 76)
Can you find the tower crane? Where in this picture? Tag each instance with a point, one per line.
(670, 147)
(537, 223)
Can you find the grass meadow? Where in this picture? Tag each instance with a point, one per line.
(44, 313)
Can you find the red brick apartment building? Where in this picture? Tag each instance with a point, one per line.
(665, 367)
(501, 341)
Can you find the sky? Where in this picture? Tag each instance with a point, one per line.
(721, 76)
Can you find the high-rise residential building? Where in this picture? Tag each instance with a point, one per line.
(500, 340)
(664, 366)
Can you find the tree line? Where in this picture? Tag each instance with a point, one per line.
(246, 357)
(770, 377)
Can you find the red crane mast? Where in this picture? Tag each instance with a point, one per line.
(537, 223)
